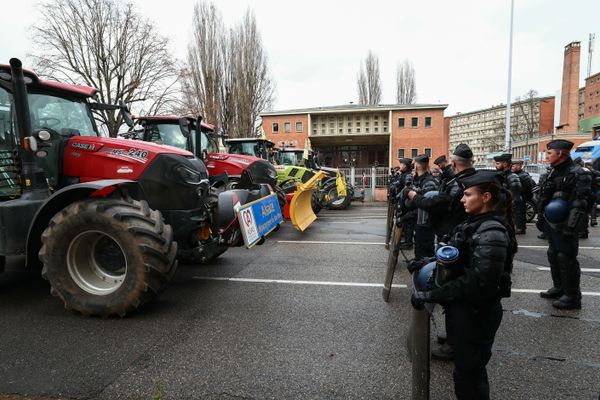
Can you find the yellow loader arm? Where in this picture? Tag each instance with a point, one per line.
(301, 212)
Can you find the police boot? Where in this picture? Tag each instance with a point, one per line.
(556, 290)
(571, 276)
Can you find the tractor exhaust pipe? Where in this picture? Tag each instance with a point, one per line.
(33, 179)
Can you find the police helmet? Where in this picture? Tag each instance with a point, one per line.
(557, 211)
(423, 278)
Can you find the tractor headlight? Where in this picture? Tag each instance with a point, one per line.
(189, 176)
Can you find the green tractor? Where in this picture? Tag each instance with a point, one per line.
(334, 191)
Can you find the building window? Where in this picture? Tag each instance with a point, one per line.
(367, 130)
(341, 130)
(400, 122)
(331, 131)
(287, 127)
(414, 153)
(376, 130)
(428, 152)
(400, 153)
(275, 127)
(414, 122)
(427, 122)
(357, 130)
(358, 123)
(299, 127)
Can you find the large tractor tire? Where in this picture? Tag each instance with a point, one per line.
(107, 257)
(335, 202)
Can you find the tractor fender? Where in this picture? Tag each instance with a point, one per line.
(66, 196)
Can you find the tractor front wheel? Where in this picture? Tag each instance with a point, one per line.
(107, 257)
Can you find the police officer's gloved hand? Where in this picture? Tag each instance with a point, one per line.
(418, 299)
(417, 264)
(540, 223)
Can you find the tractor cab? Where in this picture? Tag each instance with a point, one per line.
(256, 147)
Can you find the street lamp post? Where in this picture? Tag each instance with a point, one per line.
(507, 133)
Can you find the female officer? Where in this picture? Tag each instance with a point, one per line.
(486, 244)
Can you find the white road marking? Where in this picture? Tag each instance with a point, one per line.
(350, 284)
(344, 222)
(325, 242)
(545, 247)
(582, 269)
(295, 282)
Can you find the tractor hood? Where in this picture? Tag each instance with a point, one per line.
(112, 158)
(261, 171)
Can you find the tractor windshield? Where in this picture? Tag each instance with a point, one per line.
(169, 134)
(205, 142)
(245, 148)
(290, 158)
(58, 114)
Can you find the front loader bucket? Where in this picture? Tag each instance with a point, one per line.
(301, 212)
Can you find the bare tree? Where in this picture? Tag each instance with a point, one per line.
(227, 79)
(204, 78)
(250, 87)
(369, 81)
(406, 90)
(525, 119)
(108, 45)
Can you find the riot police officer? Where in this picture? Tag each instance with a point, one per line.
(445, 167)
(564, 204)
(405, 178)
(423, 182)
(527, 185)
(446, 211)
(486, 245)
(512, 184)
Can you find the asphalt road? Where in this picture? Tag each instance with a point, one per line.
(299, 317)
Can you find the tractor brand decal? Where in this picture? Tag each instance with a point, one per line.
(124, 170)
(136, 154)
(83, 146)
(219, 157)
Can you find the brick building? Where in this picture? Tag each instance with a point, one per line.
(361, 135)
(484, 130)
(590, 120)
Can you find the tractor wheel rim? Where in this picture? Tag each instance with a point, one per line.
(96, 262)
(333, 195)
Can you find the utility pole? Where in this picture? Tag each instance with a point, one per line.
(507, 130)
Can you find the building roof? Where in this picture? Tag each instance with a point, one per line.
(346, 108)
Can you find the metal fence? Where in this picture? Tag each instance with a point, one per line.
(356, 176)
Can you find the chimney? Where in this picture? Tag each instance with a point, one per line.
(569, 101)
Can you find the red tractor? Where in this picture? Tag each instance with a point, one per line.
(225, 170)
(106, 217)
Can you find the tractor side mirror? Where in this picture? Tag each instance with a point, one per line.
(184, 125)
(126, 113)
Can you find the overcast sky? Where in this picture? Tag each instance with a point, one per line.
(459, 48)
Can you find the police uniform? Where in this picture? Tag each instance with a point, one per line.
(406, 220)
(486, 246)
(424, 234)
(446, 212)
(445, 209)
(513, 184)
(527, 185)
(564, 204)
(447, 171)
